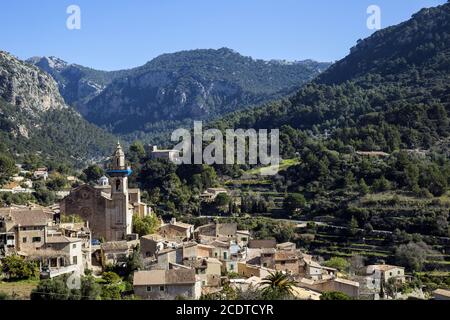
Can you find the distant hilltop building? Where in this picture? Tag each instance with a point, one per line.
(169, 154)
(41, 173)
(109, 207)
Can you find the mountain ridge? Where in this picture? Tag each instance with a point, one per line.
(189, 84)
(34, 118)
(381, 96)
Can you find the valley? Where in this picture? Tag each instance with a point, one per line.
(362, 188)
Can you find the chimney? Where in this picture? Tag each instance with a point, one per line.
(155, 148)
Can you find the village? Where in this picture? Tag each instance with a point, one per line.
(178, 260)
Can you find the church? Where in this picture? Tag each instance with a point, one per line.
(109, 208)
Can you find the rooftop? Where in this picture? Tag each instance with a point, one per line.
(27, 217)
(383, 267)
(62, 239)
(114, 245)
(164, 277)
(442, 292)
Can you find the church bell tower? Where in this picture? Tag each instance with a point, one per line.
(120, 214)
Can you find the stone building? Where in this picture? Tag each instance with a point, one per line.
(167, 284)
(23, 230)
(110, 210)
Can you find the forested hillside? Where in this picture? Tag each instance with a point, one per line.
(35, 120)
(370, 135)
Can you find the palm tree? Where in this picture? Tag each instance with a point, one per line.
(277, 285)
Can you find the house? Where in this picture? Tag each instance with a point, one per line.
(348, 287)
(224, 252)
(23, 230)
(60, 255)
(59, 249)
(210, 194)
(170, 155)
(114, 252)
(267, 257)
(151, 244)
(177, 230)
(167, 284)
(41, 174)
(287, 261)
(211, 231)
(208, 270)
(384, 272)
(80, 231)
(193, 250)
(243, 237)
(441, 294)
(314, 270)
(169, 256)
(140, 208)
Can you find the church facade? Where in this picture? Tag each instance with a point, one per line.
(109, 209)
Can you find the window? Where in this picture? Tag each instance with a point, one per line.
(265, 265)
(24, 239)
(74, 246)
(74, 259)
(215, 254)
(390, 273)
(36, 239)
(283, 263)
(398, 272)
(117, 185)
(161, 288)
(225, 256)
(149, 289)
(231, 267)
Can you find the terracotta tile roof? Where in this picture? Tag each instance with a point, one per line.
(114, 245)
(164, 277)
(154, 237)
(220, 244)
(285, 244)
(442, 292)
(285, 256)
(384, 267)
(347, 282)
(62, 239)
(28, 217)
(262, 243)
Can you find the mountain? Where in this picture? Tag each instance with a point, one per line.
(35, 119)
(196, 84)
(77, 84)
(391, 92)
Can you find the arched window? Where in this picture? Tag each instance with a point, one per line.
(118, 162)
(117, 185)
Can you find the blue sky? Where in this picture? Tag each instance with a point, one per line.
(117, 34)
